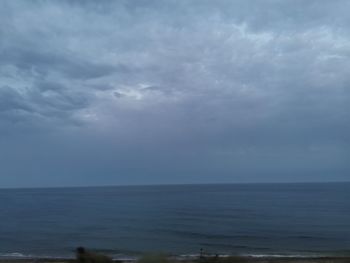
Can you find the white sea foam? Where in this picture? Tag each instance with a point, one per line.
(291, 255)
(125, 258)
(282, 255)
(13, 255)
(18, 255)
(181, 257)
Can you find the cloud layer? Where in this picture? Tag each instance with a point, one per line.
(128, 92)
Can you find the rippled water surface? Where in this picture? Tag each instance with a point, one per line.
(227, 219)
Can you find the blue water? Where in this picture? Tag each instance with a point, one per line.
(259, 219)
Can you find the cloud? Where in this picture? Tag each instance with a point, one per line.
(221, 87)
(41, 63)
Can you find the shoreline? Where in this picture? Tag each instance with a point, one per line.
(205, 259)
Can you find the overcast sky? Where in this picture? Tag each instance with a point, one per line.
(183, 91)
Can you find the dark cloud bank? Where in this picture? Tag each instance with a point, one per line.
(143, 92)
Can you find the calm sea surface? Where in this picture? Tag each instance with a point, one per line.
(259, 219)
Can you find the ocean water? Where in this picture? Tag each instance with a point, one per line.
(249, 219)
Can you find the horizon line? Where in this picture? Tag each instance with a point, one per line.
(169, 184)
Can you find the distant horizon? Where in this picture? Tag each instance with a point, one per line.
(173, 184)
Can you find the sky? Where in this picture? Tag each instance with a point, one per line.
(174, 92)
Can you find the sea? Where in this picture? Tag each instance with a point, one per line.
(301, 219)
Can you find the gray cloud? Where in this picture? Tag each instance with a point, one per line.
(41, 63)
(174, 91)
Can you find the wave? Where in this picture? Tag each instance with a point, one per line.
(14, 254)
(18, 255)
(296, 255)
(184, 257)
